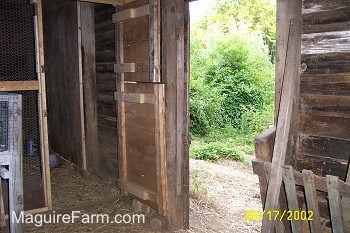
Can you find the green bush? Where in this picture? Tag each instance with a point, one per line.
(214, 151)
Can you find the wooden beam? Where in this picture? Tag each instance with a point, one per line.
(154, 40)
(130, 13)
(44, 139)
(280, 152)
(264, 144)
(130, 67)
(139, 98)
(137, 190)
(111, 2)
(19, 85)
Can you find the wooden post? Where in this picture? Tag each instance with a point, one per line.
(176, 82)
(280, 153)
(42, 105)
(87, 17)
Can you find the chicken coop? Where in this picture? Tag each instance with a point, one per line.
(22, 72)
(303, 162)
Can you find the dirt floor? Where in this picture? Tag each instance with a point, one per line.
(220, 194)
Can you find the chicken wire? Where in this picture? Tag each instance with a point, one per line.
(17, 63)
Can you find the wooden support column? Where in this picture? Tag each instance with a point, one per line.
(87, 19)
(176, 96)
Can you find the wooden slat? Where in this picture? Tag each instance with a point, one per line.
(112, 2)
(137, 190)
(160, 148)
(325, 105)
(139, 98)
(289, 184)
(130, 67)
(154, 40)
(334, 200)
(325, 84)
(291, 77)
(19, 85)
(346, 204)
(44, 140)
(311, 200)
(131, 13)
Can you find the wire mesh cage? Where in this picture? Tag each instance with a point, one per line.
(18, 63)
(10, 123)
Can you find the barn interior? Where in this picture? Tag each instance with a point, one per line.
(105, 86)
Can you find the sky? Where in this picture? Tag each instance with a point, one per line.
(198, 9)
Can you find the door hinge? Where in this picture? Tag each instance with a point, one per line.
(42, 69)
(45, 113)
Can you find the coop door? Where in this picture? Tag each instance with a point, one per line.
(140, 97)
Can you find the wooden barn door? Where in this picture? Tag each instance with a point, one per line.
(141, 103)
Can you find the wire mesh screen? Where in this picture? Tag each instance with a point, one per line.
(10, 106)
(17, 63)
(17, 47)
(4, 115)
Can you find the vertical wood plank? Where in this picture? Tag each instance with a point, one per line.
(280, 153)
(186, 126)
(289, 184)
(83, 164)
(119, 54)
(15, 167)
(311, 200)
(346, 205)
(334, 200)
(154, 40)
(173, 76)
(89, 85)
(44, 140)
(160, 145)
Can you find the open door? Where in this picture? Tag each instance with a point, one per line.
(141, 104)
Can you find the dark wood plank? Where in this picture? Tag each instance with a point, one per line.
(325, 84)
(325, 126)
(324, 146)
(325, 105)
(321, 165)
(327, 63)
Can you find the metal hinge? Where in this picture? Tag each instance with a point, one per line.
(42, 69)
(33, 1)
(45, 113)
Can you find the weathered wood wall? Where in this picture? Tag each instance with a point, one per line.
(106, 86)
(61, 62)
(324, 139)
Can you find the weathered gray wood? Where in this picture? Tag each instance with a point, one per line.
(154, 40)
(335, 207)
(346, 204)
(289, 184)
(311, 200)
(284, 122)
(174, 78)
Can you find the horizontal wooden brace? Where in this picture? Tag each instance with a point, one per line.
(131, 67)
(131, 13)
(137, 190)
(139, 98)
(19, 85)
(111, 2)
